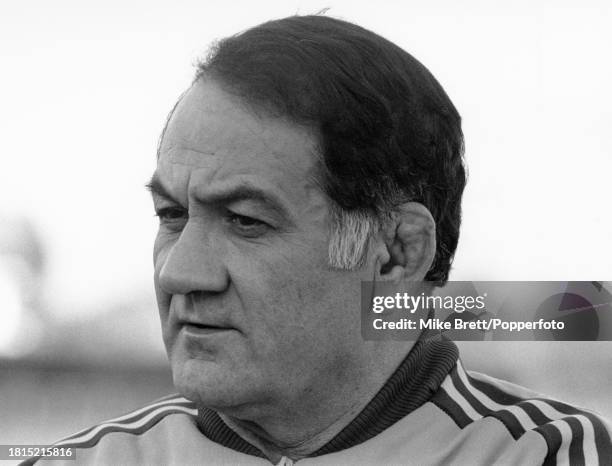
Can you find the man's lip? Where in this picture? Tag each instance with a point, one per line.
(199, 327)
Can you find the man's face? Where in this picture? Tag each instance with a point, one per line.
(251, 313)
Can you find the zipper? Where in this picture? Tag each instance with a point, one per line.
(285, 461)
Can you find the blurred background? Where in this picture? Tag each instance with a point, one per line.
(86, 87)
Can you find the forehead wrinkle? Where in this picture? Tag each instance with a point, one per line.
(190, 157)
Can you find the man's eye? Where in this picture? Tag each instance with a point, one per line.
(247, 225)
(171, 213)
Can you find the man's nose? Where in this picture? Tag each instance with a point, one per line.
(193, 264)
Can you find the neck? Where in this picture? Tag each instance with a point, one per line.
(296, 442)
(301, 426)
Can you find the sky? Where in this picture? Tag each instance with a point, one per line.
(86, 87)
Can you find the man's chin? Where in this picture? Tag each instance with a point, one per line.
(206, 383)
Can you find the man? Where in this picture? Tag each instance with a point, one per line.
(311, 155)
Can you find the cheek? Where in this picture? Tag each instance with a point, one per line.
(308, 328)
(299, 304)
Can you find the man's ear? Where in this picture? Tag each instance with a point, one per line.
(409, 245)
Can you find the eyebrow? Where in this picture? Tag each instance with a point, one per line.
(241, 192)
(157, 188)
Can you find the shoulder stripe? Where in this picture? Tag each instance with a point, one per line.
(534, 413)
(443, 401)
(558, 419)
(526, 422)
(595, 442)
(139, 426)
(172, 400)
(553, 439)
(589, 447)
(576, 451)
(515, 420)
(452, 391)
(562, 454)
(587, 432)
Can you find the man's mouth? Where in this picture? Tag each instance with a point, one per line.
(202, 329)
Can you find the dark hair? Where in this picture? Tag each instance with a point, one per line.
(388, 131)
